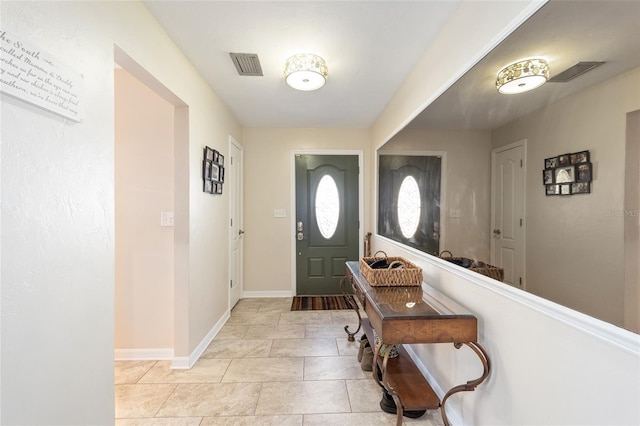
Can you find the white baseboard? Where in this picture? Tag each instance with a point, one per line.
(185, 363)
(255, 294)
(153, 354)
(453, 413)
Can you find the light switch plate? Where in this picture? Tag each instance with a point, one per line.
(455, 213)
(166, 218)
(279, 213)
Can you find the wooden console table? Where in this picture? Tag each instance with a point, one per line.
(407, 315)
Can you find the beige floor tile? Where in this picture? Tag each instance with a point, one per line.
(131, 371)
(141, 400)
(262, 305)
(255, 302)
(257, 318)
(294, 420)
(264, 370)
(238, 349)
(333, 368)
(211, 399)
(349, 419)
(359, 419)
(232, 332)
(294, 331)
(203, 371)
(347, 348)
(303, 347)
(315, 331)
(266, 366)
(303, 398)
(276, 308)
(345, 317)
(306, 317)
(364, 395)
(170, 421)
(431, 418)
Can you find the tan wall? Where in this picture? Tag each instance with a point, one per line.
(632, 224)
(268, 180)
(467, 185)
(143, 188)
(575, 245)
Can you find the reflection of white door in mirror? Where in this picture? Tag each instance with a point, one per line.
(236, 239)
(507, 212)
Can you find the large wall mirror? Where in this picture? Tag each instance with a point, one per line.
(580, 250)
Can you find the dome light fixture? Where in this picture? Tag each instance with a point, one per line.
(522, 76)
(306, 72)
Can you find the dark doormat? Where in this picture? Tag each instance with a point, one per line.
(320, 303)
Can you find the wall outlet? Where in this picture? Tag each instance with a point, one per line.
(455, 213)
(166, 218)
(279, 213)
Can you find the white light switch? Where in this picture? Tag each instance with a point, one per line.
(279, 213)
(166, 218)
(455, 213)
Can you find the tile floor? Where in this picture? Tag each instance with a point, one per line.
(267, 366)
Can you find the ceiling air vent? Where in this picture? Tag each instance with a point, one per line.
(574, 71)
(247, 63)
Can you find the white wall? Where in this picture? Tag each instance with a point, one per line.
(267, 156)
(58, 214)
(466, 185)
(584, 268)
(144, 185)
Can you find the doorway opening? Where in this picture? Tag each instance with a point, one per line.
(151, 211)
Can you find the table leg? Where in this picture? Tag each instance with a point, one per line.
(471, 384)
(354, 306)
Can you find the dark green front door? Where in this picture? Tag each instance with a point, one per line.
(327, 218)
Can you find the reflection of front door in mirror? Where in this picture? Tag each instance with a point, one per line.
(507, 221)
(409, 200)
(327, 217)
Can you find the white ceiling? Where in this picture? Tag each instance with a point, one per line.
(562, 32)
(369, 47)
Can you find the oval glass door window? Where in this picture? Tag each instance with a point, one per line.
(327, 206)
(409, 207)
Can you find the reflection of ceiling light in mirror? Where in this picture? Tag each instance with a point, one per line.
(522, 76)
(306, 72)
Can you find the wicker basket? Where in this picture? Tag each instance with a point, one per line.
(408, 275)
(491, 271)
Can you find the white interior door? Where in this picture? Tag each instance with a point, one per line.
(234, 183)
(507, 212)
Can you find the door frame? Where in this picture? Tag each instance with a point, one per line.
(292, 208)
(494, 152)
(238, 145)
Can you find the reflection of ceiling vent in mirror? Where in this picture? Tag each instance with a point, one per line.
(574, 71)
(247, 63)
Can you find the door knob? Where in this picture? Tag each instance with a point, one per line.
(240, 232)
(496, 232)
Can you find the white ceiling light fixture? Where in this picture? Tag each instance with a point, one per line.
(522, 76)
(306, 71)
